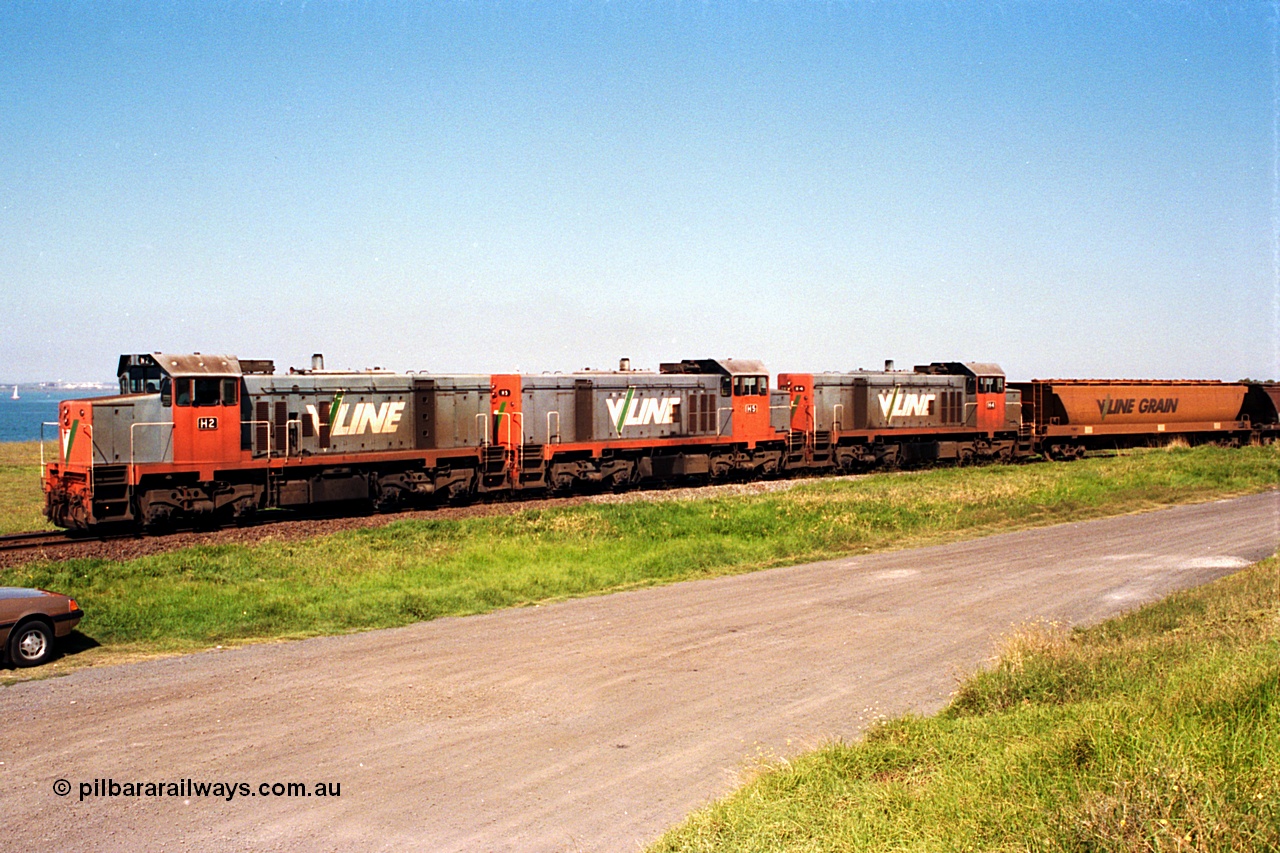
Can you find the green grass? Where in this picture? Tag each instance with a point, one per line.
(1156, 731)
(21, 501)
(421, 569)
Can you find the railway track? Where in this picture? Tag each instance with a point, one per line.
(31, 541)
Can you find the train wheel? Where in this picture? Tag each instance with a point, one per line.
(157, 520)
(461, 494)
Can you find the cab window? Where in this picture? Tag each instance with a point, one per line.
(182, 392)
(207, 392)
(230, 389)
(140, 379)
(750, 386)
(991, 385)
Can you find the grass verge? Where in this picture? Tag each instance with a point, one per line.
(1155, 731)
(414, 570)
(21, 501)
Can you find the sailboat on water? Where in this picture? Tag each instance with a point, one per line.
(15, 393)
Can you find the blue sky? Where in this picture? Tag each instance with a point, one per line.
(1068, 189)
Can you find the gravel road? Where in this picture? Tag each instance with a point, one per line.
(591, 724)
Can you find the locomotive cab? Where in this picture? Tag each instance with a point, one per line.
(744, 410)
(194, 417)
(176, 414)
(985, 390)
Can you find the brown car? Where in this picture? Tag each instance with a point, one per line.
(30, 619)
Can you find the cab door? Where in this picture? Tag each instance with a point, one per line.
(751, 408)
(990, 403)
(206, 420)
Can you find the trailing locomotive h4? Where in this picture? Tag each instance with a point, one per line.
(193, 439)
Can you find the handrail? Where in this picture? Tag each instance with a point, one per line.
(483, 434)
(837, 421)
(134, 426)
(44, 424)
(557, 432)
(287, 422)
(720, 425)
(270, 425)
(515, 448)
(788, 408)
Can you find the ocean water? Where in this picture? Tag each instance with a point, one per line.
(20, 419)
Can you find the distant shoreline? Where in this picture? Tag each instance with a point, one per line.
(59, 386)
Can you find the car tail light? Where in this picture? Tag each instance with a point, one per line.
(72, 606)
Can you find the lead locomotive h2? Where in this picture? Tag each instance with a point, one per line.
(210, 439)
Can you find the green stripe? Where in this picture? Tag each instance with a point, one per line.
(71, 439)
(626, 406)
(497, 422)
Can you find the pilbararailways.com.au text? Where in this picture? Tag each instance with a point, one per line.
(190, 788)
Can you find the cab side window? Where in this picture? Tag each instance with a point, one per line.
(750, 386)
(230, 389)
(140, 379)
(182, 392)
(991, 385)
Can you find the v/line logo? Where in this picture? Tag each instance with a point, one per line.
(362, 418)
(646, 410)
(899, 404)
(1148, 406)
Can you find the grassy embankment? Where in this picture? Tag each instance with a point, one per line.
(21, 503)
(408, 571)
(1155, 731)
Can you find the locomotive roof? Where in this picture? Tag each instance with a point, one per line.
(192, 364)
(961, 368)
(721, 366)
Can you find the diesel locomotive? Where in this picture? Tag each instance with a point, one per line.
(196, 439)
